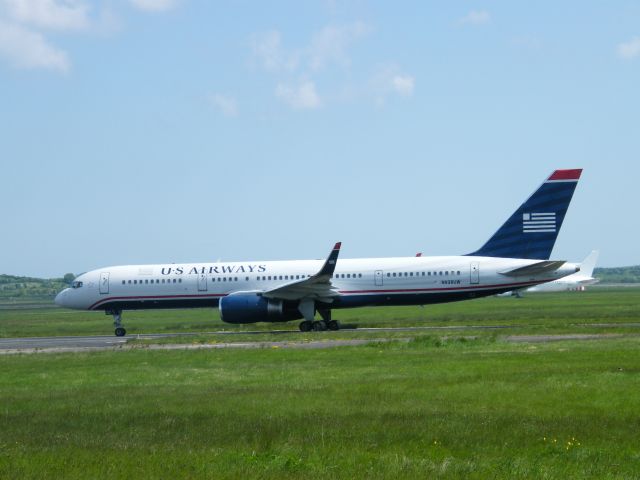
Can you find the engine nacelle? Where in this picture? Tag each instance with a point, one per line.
(250, 307)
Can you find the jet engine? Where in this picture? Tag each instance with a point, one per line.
(250, 307)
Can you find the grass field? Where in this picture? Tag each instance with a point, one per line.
(429, 408)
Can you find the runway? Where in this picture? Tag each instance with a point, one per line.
(109, 342)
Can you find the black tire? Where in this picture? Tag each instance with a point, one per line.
(120, 332)
(305, 326)
(319, 326)
(333, 325)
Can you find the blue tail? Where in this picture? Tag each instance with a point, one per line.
(533, 228)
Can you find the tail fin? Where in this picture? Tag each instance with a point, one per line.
(589, 263)
(533, 228)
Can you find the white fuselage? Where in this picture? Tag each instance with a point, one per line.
(359, 282)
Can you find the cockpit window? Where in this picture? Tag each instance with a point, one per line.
(76, 284)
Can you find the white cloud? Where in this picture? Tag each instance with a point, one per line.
(302, 96)
(387, 80)
(330, 44)
(630, 49)
(327, 48)
(23, 24)
(154, 5)
(27, 49)
(226, 104)
(49, 14)
(268, 50)
(403, 84)
(476, 17)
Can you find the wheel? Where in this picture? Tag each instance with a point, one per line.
(305, 326)
(333, 325)
(120, 332)
(319, 326)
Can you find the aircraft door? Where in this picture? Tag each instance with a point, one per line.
(104, 282)
(202, 282)
(378, 278)
(475, 273)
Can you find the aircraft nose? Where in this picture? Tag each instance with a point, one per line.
(60, 297)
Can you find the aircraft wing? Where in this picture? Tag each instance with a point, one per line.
(535, 268)
(316, 287)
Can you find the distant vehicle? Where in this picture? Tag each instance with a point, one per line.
(516, 256)
(576, 281)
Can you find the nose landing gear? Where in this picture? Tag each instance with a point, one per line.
(117, 322)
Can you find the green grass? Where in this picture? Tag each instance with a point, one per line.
(553, 313)
(424, 409)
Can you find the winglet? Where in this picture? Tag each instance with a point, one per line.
(330, 264)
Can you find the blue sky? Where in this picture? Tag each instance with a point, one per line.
(149, 131)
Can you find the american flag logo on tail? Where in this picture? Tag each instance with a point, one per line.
(539, 222)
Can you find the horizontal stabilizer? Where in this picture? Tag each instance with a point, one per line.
(535, 268)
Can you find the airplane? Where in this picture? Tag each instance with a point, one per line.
(516, 256)
(576, 281)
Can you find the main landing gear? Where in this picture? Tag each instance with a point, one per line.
(117, 322)
(318, 326)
